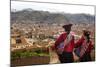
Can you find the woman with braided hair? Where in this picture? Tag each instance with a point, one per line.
(85, 45)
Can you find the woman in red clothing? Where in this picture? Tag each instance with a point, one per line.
(85, 45)
(64, 45)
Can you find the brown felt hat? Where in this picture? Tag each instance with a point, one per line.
(67, 26)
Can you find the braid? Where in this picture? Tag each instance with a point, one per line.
(88, 38)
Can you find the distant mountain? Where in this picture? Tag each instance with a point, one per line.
(47, 17)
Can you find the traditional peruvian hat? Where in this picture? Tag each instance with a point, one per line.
(67, 26)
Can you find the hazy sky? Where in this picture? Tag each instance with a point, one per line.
(53, 7)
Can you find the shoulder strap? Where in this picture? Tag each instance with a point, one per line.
(67, 40)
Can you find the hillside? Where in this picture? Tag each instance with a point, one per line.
(47, 17)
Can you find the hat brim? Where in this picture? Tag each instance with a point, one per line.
(68, 26)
